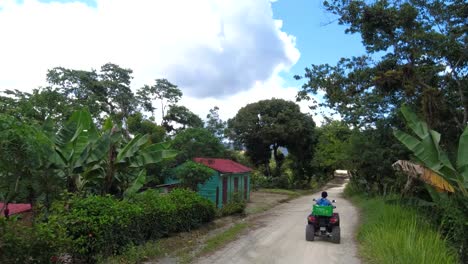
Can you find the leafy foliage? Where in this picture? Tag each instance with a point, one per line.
(181, 116)
(96, 158)
(214, 124)
(102, 225)
(410, 45)
(164, 91)
(105, 92)
(139, 125)
(197, 142)
(191, 174)
(332, 147)
(267, 125)
(426, 149)
(235, 206)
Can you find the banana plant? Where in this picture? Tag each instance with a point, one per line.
(426, 149)
(92, 158)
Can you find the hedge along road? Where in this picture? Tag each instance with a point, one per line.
(280, 236)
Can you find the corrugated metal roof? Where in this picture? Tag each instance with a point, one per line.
(223, 165)
(17, 208)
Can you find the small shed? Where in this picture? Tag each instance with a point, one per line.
(230, 177)
(14, 208)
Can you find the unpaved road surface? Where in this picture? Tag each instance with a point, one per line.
(280, 236)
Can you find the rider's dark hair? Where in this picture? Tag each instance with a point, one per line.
(324, 194)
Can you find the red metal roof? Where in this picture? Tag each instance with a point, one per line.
(223, 165)
(16, 208)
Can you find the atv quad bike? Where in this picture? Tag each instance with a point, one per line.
(323, 222)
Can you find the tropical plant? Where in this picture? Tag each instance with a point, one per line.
(449, 211)
(25, 167)
(96, 159)
(426, 149)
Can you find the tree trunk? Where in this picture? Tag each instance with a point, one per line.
(277, 161)
(110, 170)
(267, 169)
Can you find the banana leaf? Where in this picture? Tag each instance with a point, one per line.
(462, 161)
(132, 147)
(137, 184)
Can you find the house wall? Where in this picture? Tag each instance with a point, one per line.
(208, 189)
(241, 185)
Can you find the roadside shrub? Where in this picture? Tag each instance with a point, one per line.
(84, 228)
(20, 243)
(180, 210)
(235, 206)
(99, 225)
(451, 216)
(352, 188)
(258, 180)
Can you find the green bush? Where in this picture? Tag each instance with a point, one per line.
(20, 243)
(235, 206)
(97, 225)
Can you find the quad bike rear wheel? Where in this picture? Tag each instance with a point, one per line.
(335, 235)
(310, 233)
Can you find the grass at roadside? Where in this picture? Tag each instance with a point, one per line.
(136, 254)
(391, 233)
(179, 249)
(223, 238)
(281, 191)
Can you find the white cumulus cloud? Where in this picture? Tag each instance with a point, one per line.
(210, 48)
(225, 53)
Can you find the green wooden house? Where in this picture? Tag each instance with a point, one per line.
(229, 177)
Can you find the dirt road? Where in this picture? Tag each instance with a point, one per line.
(280, 236)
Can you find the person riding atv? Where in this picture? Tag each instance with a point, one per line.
(324, 201)
(323, 221)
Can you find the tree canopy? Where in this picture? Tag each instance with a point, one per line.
(197, 142)
(416, 54)
(267, 125)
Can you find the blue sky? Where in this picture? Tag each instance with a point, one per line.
(318, 41)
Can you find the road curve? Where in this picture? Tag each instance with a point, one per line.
(280, 236)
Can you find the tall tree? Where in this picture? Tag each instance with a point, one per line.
(164, 91)
(139, 125)
(40, 105)
(197, 142)
(214, 124)
(267, 125)
(107, 92)
(182, 117)
(332, 146)
(416, 54)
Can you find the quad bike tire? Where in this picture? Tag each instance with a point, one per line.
(310, 233)
(335, 235)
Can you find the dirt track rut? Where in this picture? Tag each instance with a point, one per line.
(280, 236)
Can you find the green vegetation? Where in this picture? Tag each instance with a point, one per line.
(290, 193)
(235, 206)
(263, 127)
(409, 45)
(95, 226)
(191, 174)
(223, 238)
(394, 233)
(82, 169)
(136, 254)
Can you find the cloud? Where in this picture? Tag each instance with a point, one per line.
(209, 48)
(272, 88)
